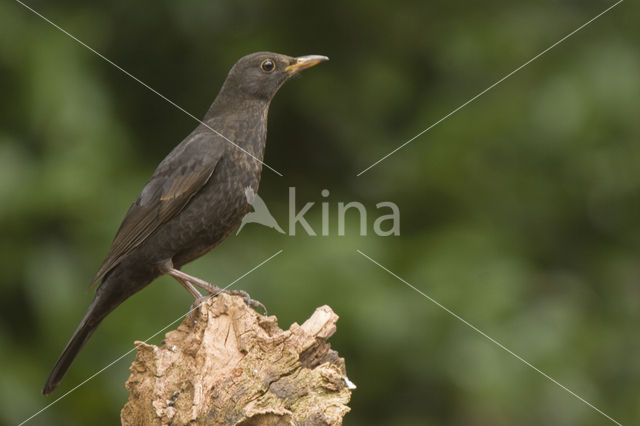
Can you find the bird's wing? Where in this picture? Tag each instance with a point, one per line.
(176, 180)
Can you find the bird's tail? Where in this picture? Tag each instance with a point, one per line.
(79, 338)
(103, 303)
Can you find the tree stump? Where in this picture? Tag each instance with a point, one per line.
(229, 365)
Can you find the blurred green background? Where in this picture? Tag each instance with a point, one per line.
(519, 213)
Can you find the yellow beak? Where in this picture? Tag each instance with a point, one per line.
(304, 62)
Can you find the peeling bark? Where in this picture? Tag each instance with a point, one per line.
(229, 365)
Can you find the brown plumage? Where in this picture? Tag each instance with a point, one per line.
(195, 197)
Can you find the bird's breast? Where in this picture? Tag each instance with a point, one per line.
(216, 210)
(219, 206)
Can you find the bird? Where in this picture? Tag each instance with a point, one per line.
(195, 197)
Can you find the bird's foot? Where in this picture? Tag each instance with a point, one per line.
(189, 281)
(252, 303)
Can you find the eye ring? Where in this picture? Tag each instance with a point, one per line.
(268, 65)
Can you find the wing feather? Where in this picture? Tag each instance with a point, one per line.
(173, 184)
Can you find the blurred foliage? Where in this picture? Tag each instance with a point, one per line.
(519, 213)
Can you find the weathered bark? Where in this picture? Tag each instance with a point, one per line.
(228, 365)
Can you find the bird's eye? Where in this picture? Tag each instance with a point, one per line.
(268, 65)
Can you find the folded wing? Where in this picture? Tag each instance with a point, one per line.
(173, 184)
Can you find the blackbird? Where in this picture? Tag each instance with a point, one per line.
(195, 197)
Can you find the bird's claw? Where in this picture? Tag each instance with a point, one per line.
(248, 300)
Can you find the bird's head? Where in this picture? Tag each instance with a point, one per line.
(260, 75)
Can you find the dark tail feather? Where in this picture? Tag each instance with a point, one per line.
(79, 338)
(105, 301)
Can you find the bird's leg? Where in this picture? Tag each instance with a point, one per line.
(182, 276)
(189, 280)
(190, 288)
(198, 298)
(215, 290)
